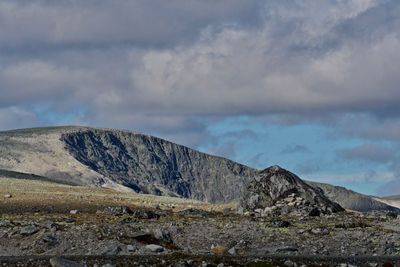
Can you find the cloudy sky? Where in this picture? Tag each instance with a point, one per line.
(313, 86)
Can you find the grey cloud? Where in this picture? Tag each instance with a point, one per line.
(258, 161)
(390, 189)
(154, 22)
(308, 168)
(13, 117)
(368, 152)
(153, 65)
(295, 149)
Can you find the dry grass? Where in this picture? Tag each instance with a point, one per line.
(38, 193)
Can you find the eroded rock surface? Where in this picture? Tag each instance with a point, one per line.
(276, 191)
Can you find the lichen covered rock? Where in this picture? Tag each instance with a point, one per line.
(276, 191)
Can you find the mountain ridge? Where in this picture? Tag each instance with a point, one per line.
(146, 164)
(138, 162)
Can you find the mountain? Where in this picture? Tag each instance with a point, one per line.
(131, 161)
(276, 191)
(390, 200)
(352, 200)
(124, 160)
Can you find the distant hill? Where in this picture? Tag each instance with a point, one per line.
(131, 161)
(349, 199)
(124, 160)
(390, 200)
(30, 176)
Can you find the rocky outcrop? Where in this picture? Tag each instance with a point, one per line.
(276, 191)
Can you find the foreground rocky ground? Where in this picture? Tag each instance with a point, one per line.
(94, 227)
(121, 237)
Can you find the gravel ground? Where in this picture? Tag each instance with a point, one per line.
(124, 237)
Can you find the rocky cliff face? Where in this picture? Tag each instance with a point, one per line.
(352, 200)
(276, 191)
(151, 165)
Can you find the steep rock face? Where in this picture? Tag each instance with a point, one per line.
(351, 200)
(151, 165)
(278, 191)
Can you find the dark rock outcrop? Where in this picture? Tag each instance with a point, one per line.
(276, 191)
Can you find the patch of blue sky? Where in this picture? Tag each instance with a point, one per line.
(46, 113)
(275, 144)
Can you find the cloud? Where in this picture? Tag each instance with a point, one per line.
(156, 66)
(368, 176)
(368, 152)
(257, 161)
(37, 23)
(390, 189)
(13, 117)
(295, 149)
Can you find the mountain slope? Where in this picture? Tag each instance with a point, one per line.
(123, 159)
(351, 200)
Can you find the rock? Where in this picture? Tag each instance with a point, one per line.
(144, 238)
(232, 251)
(52, 225)
(7, 196)
(48, 238)
(131, 248)
(154, 248)
(108, 265)
(162, 235)
(117, 210)
(314, 212)
(278, 223)
(29, 230)
(276, 187)
(112, 250)
(58, 262)
(219, 250)
(6, 223)
(73, 211)
(289, 263)
(145, 214)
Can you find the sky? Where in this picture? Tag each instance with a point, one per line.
(312, 86)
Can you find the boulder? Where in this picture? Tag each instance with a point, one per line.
(276, 191)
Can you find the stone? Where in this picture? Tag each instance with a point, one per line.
(108, 265)
(145, 214)
(154, 248)
(278, 223)
(131, 248)
(73, 211)
(162, 235)
(289, 263)
(52, 225)
(7, 196)
(29, 230)
(219, 250)
(58, 262)
(112, 250)
(48, 238)
(117, 210)
(232, 251)
(314, 212)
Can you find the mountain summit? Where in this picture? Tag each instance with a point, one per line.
(278, 191)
